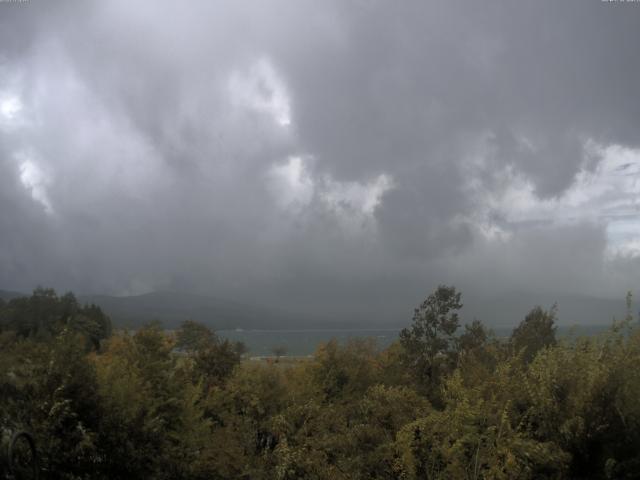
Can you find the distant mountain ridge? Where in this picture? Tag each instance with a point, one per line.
(508, 310)
(171, 308)
(8, 294)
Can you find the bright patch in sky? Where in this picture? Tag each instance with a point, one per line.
(350, 201)
(292, 185)
(608, 195)
(357, 197)
(624, 238)
(10, 106)
(35, 181)
(262, 89)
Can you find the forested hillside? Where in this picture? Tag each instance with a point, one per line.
(171, 308)
(444, 401)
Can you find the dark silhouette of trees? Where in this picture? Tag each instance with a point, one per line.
(430, 343)
(535, 332)
(442, 402)
(44, 315)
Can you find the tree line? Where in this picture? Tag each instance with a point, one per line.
(444, 401)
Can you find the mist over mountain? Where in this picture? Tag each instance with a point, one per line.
(505, 311)
(8, 295)
(500, 311)
(509, 309)
(171, 308)
(339, 161)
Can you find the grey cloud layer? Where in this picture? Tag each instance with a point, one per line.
(158, 178)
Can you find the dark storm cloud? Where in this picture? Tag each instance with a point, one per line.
(161, 135)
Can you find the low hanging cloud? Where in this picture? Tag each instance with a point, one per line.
(35, 181)
(340, 157)
(262, 90)
(352, 203)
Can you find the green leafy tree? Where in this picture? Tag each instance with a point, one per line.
(184, 406)
(340, 372)
(430, 342)
(535, 332)
(50, 389)
(194, 336)
(214, 365)
(211, 360)
(474, 337)
(44, 315)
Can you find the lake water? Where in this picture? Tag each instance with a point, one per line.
(301, 342)
(305, 342)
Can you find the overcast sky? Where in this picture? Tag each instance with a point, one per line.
(326, 155)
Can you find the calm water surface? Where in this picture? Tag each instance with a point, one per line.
(305, 342)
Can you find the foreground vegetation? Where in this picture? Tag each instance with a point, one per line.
(442, 402)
